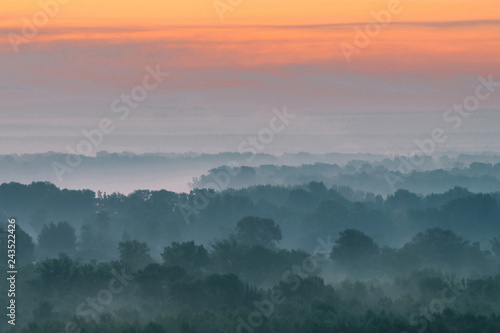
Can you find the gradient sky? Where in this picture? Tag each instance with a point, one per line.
(227, 76)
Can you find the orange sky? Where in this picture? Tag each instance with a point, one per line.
(264, 54)
(465, 48)
(276, 12)
(428, 38)
(459, 42)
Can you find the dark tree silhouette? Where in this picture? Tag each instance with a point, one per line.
(187, 255)
(57, 238)
(134, 255)
(354, 250)
(258, 231)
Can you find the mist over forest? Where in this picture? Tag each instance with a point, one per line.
(127, 172)
(290, 243)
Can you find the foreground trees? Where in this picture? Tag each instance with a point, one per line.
(233, 267)
(249, 288)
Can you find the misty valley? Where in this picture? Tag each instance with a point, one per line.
(312, 246)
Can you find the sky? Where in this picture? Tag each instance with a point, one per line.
(355, 85)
